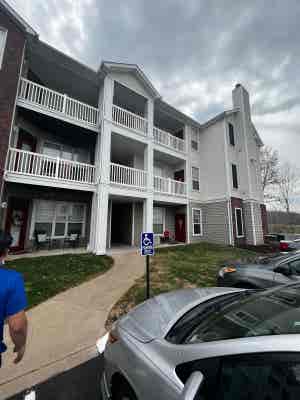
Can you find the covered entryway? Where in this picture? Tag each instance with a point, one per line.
(16, 222)
(121, 223)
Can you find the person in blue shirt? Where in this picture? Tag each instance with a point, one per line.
(12, 302)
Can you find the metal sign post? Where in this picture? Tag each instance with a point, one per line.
(147, 249)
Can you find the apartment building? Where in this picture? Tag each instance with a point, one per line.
(100, 154)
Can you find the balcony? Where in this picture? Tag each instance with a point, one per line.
(129, 120)
(47, 101)
(166, 139)
(35, 168)
(127, 176)
(169, 186)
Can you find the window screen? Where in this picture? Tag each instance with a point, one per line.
(239, 222)
(231, 134)
(158, 220)
(234, 176)
(194, 140)
(195, 178)
(197, 221)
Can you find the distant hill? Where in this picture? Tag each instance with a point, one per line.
(283, 218)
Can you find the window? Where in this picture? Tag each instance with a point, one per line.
(3, 35)
(195, 140)
(59, 219)
(239, 222)
(234, 176)
(240, 315)
(66, 152)
(196, 179)
(263, 376)
(231, 134)
(158, 220)
(295, 266)
(197, 221)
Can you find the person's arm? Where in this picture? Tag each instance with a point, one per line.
(18, 331)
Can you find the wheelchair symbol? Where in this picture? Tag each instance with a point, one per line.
(147, 241)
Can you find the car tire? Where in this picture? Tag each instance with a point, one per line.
(124, 392)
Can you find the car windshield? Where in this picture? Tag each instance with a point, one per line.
(262, 313)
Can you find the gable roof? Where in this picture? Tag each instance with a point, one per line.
(109, 66)
(17, 18)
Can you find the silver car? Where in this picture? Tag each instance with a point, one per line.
(212, 343)
(269, 271)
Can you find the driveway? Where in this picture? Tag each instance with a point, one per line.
(63, 330)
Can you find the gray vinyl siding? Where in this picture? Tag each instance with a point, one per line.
(138, 222)
(215, 222)
(258, 224)
(248, 228)
(251, 230)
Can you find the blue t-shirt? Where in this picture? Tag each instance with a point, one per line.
(12, 298)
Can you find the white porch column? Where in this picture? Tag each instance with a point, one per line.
(188, 179)
(148, 214)
(99, 218)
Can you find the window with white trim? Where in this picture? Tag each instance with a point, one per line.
(239, 223)
(196, 179)
(3, 35)
(195, 140)
(59, 219)
(158, 220)
(197, 221)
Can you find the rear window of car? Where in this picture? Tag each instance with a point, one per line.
(258, 314)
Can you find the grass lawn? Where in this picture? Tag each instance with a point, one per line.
(46, 276)
(179, 267)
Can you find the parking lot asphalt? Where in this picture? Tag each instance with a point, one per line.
(80, 383)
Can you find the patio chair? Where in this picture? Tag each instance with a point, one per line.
(72, 240)
(165, 238)
(42, 240)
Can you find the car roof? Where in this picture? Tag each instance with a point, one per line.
(250, 345)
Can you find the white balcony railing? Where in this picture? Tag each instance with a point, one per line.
(23, 162)
(132, 121)
(166, 139)
(128, 176)
(57, 104)
(169, 186)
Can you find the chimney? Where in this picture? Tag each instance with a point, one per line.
(240, 99)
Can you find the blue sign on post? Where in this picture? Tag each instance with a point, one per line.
(147, 244)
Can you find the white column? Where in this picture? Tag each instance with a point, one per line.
(188, 180)
(148, 214)
(99, 217)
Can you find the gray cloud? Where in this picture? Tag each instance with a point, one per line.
(194, 51)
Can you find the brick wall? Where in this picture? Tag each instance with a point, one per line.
(9, 75)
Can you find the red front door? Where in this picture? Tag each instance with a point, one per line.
(180, 232)
(16, 222)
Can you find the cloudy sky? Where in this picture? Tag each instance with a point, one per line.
(194, 52)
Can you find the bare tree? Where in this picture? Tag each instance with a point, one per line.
(269, 162)
(288, 185)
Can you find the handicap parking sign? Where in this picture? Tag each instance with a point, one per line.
(147, 244)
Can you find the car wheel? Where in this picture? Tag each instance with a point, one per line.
(124, 392)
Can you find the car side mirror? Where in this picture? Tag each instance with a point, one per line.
(284, 270)
(192, 386)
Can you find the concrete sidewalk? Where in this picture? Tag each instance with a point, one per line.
(63, 330)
